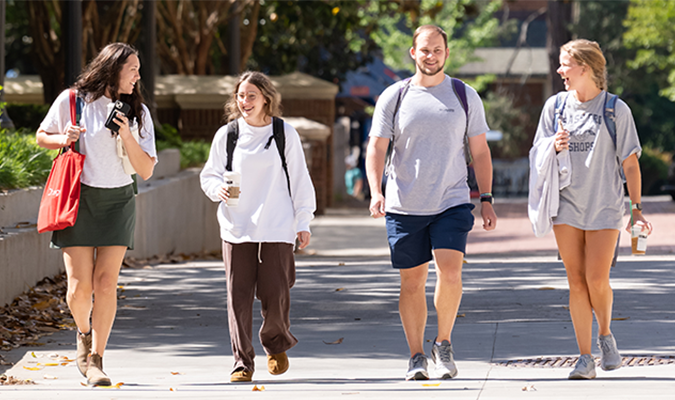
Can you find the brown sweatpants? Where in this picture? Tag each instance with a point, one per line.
(270, 281)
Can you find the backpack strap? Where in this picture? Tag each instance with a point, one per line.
(232, 137)
(279, 136)
(401, 92)
(610, 115)
(459, 88)
(560, 101)
(610, 123)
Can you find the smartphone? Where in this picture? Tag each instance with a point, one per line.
(119, 106)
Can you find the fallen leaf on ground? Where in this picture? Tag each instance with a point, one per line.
(341, 264)
(10, 381)
(529, 388)
(47, 376)
(566, 307)
(546, 288)
(431, 384)
(258, 389)
(461, 315)
(32, 368)
(339, 289)
(335, 342)
(177, 373)
(172, 390)
(620, 318)
(48, 364)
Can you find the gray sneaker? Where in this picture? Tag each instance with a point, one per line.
(443, 358)
(611, 359)
(585, 368)
(417, 368)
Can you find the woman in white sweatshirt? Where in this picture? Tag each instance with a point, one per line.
(274, 209)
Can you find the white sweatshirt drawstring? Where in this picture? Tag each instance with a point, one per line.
(260, 252)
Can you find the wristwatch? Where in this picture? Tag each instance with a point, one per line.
(488, 198)
(637, 206)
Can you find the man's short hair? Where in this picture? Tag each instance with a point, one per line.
(432, 28)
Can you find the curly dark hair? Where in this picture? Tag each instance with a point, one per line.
(103, 72)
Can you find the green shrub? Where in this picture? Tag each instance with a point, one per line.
(27, 116)
(192, 154)
(22, 162)
(654, 170)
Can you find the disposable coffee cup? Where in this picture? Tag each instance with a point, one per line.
(233, 182)
(638, 240)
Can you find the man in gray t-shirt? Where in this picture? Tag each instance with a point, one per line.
(428, 209)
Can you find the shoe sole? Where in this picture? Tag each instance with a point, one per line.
(581, 377)
(418, 376)
(610, 367)
(448, 375)
(100, 383)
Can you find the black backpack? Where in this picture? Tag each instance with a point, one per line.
(277, 134)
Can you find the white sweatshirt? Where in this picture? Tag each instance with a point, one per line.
(266, 212)
(549, 174)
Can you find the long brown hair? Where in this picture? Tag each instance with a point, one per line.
(272, 107)
(103, 72)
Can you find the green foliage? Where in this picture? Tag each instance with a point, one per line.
(322, 38)
(468, 23)
(192, 153)
(22, 162)
(654, 170)
(638, 86)
(651, 29)
(502, 116)
(28, 116)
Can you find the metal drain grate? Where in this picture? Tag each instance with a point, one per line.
(569, 362)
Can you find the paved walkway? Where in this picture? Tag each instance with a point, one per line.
(170, 338)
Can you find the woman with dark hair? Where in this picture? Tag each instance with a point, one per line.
(94, 248)
(587, 150)
(273, 209)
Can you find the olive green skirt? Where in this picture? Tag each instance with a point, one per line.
(106, 217)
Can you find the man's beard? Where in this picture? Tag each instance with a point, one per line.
(424, 70)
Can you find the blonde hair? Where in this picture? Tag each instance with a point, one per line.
(588, 53)
(272, 107)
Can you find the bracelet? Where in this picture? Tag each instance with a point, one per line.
(488, 194)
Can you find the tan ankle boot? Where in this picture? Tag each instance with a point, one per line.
(83, 350)
(95, 374)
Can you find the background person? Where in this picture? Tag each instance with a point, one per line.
(591, 208)
(428, 209)
(259, 233)
(94, 248)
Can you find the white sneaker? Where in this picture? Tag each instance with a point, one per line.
(585, 368)
(442, 356)
(611, 359)
(417, 368)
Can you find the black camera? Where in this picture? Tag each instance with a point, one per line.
(121, 107)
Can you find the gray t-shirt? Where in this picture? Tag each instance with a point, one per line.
(594, 199)
(428, 173)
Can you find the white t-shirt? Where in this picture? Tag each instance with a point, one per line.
(102, 167)
(429, 168)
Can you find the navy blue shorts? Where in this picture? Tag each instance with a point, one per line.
(412, 238)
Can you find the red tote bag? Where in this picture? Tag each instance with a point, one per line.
(61, 198)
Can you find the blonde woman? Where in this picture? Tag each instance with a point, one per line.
(274, 209)
(591, 206)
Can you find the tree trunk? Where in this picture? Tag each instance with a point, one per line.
(558, 19)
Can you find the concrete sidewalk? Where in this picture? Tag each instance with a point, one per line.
(170, 339)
